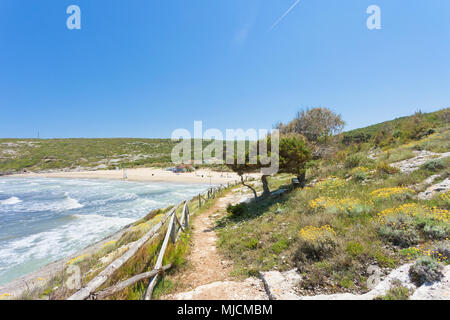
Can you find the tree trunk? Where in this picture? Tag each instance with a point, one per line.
(250, 187)
(302, 179)
(265, 186)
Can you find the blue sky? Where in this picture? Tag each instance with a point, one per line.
(143, 68)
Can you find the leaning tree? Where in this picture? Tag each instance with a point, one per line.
(293, 154)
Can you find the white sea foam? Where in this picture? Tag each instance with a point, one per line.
(70, 203)
(48, 219)
(10, 201)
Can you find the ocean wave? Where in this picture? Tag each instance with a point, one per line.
(70, 203)
(10, 201)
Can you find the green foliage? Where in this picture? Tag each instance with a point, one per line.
(397, 292)
(294, 154)
(385, 168)
(399, 131)
(434, 165)
(426, 269)
(314, 245)
(237, 210)
(400, 230)
(354, 248)
(252, 243)
(353, 161)
(315, 124)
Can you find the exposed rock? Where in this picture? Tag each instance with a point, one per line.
(281, 286)
(440, 187)
(434, 291)
(249, 289)
(410, 165)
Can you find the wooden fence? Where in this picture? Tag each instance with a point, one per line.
(174, 229)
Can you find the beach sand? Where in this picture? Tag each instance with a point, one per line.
(32, 281)
(203, 176)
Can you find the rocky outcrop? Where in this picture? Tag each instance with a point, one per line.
(249, 289)
(422, 157)
(434, 291)
(440, 187)
(282, 286)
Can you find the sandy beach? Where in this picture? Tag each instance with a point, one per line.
(146, 174)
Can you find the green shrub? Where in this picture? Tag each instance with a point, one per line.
(426, 269)
(399, 230)
(252, 243)
(441, 251)
(353, 161)
(237, 210)
(436, 232)
(360, 176)
(315, 244)
(354, 248)
(385, 168)
(397, 292)
(434, 165)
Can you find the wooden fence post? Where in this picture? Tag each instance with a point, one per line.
(173, 231)
(186, 217)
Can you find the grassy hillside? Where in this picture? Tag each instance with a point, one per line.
(37, 155)
(399, 131)
(357, 211)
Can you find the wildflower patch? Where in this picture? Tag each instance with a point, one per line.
(399, 193)
(350, 206)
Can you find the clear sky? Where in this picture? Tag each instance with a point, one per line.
(142, 68)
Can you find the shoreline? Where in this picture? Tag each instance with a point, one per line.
(40, 277)
(203, 176)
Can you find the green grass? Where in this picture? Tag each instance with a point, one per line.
(265, 235)
(45, 154)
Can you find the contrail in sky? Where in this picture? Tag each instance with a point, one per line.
(285, 14)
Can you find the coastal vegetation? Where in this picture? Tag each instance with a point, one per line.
(17, 155)
(358, 208)
(356, 211)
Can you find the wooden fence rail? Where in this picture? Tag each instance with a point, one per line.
(174, 229)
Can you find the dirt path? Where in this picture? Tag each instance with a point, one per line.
(208, 274)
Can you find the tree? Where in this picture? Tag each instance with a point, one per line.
(315, 124)
(293, 156)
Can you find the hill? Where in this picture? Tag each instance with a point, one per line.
(38, 155)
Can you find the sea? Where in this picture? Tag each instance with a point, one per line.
(43, 220)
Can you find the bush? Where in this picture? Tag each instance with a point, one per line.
(237, 210)
(353, 161)
(434, 165)
(396, 292)
(436, 232)
(395, 193)
(360, 174)
(354, 248)
(385, 168)
(426, 269)
(315, 244)
(400, 230)
(348, 206)
(441, 251)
